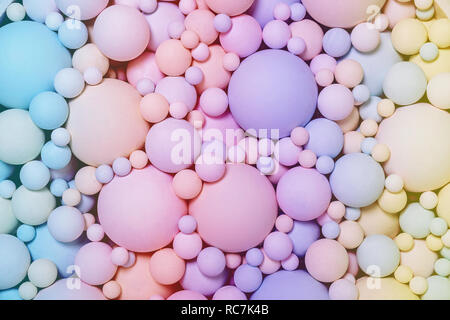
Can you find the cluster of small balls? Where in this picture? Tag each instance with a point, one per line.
(224, 149)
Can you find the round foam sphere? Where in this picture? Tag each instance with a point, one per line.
(14, 261)
(292, 89)
(42, 273)
(49, 110)
(378, 256)
(66, 224)
(41, 57)
(243, 200)
(229, 7)
(94, 263)
(152, 206)
(32, 207)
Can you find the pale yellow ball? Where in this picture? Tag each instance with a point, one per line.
(408, 36)
(443, 207)
(71, 197)
(420, 259)
(425, 15)
(392, 202)
(351, 234)
(90, 56)
(381, 153)
(428, 200)
(440, 33)
(386, 108)
(434, 243)
(376, 221)
(369, 127)
(418, 285)
(438, 90)
(403, 274)
(394, 183)
(404, 241)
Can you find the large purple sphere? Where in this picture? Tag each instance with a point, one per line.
(272, 90)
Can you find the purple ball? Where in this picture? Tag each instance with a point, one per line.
(187, 224)
(303, 194)
(248, 278)
(337, 42)
(272, 89)
(278, 246)
(104, 174)
(303, 234)
(325, 165)
(331, 230)
(211, 261)
(262, 10)
(229, 293)
(254, 257)
(121, 166)
(325, 138)
(222, 23)
(298, 12)
(194, 75)
(195, 280)
(291, 285)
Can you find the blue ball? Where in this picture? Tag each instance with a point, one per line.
(55, 157)
(254, 257)
(10, 294)
(60, 137)
(38, 56)
(26, 233)
(44, 246)
(331, 230)
(7, 188)
(14, 261)
(34, 175)
(248, 278)
(325, 165)
(337, 42)
(6, 170)
(39, 9)
(361, 93)
(303, 234)
(49, 110)
(357, 180)
(352, 214)
(54, 20)
(58, 186)
(369, 110)
(104, 174)
(367, 145)
(73, 34)
(325, 138)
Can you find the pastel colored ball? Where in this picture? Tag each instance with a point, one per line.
(335, 102)
(247, 278)
(49, 110)
(81, 9)
(311, 32)
(325, 138)
(32, 207)
(349, 73)
(73, 34)
(187, 246)
(231, 8)
(187, 184)
(214, 102)
(173, 58)
(436, 92)
(122, 41)
(38, 10)
(14, 262)
(66, 224)
(201, 21)
(89, 56)
(439, 34)
(415, 220)
(176, 90)
(378, 256)
(229, 293)
(26, 233)
(336, 42)
(365, 38)
(405, 142)
(94, 261)
(42, 273)
(408, 36)
(195, 280)
(357, 180)
(321, 254)
(343, 289)
(61, 291)
(54, 157)
(22, 79)
(243, 198)
(92, 140)
(278, 246)
(211, 261)
(292, 87)
(276, 34)
(166, 267)
(34, 175)
(297, 187)
(69, 83)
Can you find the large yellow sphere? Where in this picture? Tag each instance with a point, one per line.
(440, 33)
(443, 207)
(438, 90)
(392, 202)
(383, 289)
(375, 221)
(431, 69)
(408, 36)
(418, 136)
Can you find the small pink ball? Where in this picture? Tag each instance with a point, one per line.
(233, 260)
(201, 52)
(148, 6)
(284, 223)
(343, 289)
(196, 118)
(95, 233)
(189, 39)
(323, 61)
(296, 46)
(202, 22)
(210, 168)
(187, 295)
(187, 224)
(214, 102)
(187, 246)
(186, 184)
(89, 220)
(92, 76)
(138, 159)
(282, 11)
(187, 6)
(324, 78)
(349, 73)
(278, 246)
(365, 37)
(86, 182)
(336, 210)
(111, 290)
(300, 136)
(291, 263)
(276, 34)
(307, 159)
(231, 61)
(229, 293)
(143, 67)
(335, 102)
(178, 110)
(269, 266)
(311, 33)
(154, 107)
(194, 75)
(119, 256)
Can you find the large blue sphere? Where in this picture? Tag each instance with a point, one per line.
(30, 57)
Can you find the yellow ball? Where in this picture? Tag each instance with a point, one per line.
(376, 221)
(443, 207)
(423, 4)
(428, 200)
(392, 202)
(418, 285)
(381, 153)
(403, 274)
(386, 108)
(438, 90)
(404, 241)
(425, 15)
(408, 36)
(383, 289)
(439, 65)
(351, 234)
(369, 127)
(440, 33)
(434, 243)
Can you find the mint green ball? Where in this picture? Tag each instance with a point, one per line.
(416, 220)
(32, 207)
(438, 289)
(442, 267)
(27, 291)
(8, 221)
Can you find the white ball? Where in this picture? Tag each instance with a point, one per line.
(429, 52)
(15, 12)
(42, 273)
(438, 90)
(66, 224)
(378, 256)
(69, 83)
(394, 183)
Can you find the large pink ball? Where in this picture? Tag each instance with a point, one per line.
(229, 7)
(105, 123)
(121, 33)
(94, 261)
(140, 211)
(341, 13)
(237, 212)
(303, 194)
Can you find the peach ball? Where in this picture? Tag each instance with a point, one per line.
(166, 267)
(121, 33)
(173, 58)
(229, 7)
(151, 206)
(86, 182)
(105, 123)
(186, 184)
(243, 200)
(215, 75)
(154, 107)
(202, 22)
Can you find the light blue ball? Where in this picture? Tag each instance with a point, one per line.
(44, 246)
(337, 42)
(369, 110)
(6, 170)
(303, 234)
(39, 9)
(49, 110)
(38, 57)
(352, 214)
(7, 188)
(73, 34)
(325, 165)
(357, 180)
(325, 138)
(10, 294)
(26, 233)
(60, 137)
(377, 63)
(247, 278)
(58, 186)
(331, 230)
(69, 82)
(361, 93)
(104, 174)
(54, 20)
(14, 261)
(34, 175)
(55, 157)
(367, 145)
